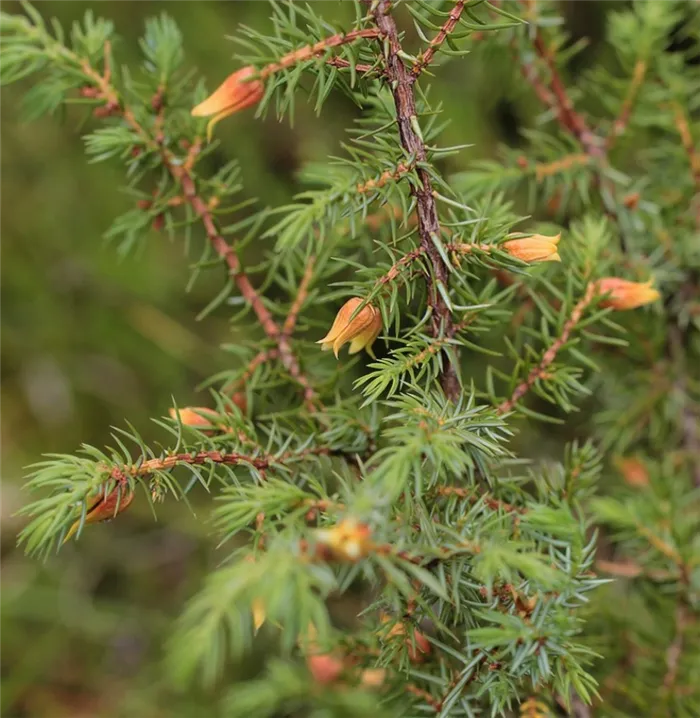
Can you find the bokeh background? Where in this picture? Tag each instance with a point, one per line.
(90, 340)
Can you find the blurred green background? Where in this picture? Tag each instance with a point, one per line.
(90, 341)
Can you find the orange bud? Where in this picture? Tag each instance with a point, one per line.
(373, 677)
(237, 92)
(104, 507)
(361, 331)
(624, 294)
(419, 647)
(241, 401)
(258, 610)
(535, 248)
(324, 668)
(348, 540)
(633, 471)
(198, 417)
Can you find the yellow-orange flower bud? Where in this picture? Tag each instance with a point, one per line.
(198, 417)
(633, 471)
(361, 331)
(624, 294)
(104, 507)
(535, 248)
(347, 540)
(373, 677)
(235, 93)
(259, 615)
(325, 668)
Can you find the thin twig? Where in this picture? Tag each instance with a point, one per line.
(687, 140)
(342, 63)
(302, 294)
(227, 253)
(567, 115)
(620, 124)
(309, 51)
(262, 462)
(675, 650)
(426, 58)
(385, 177)
(550, 355)
(474, 496)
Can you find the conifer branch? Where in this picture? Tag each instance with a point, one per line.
(567, 114)
(455, 681)
(548, 169)
(401, 83)
(474, 496)
(309, 51)
(227, 253)
(400, 265)
(675, 649)
(261, 463)
(620, 124)
(686, 136)
(342, 63)
(386, 176)
(301, 297)
(550, 355)
(182, 175)
(424, 59)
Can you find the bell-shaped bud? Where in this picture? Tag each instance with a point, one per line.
(634, 471)
(623, 294)
(535, 248)
(198, 417)
(325, 668)
(103, 507)
(373, 677)
(361, 330)
(349, 540)
(235, 93)
(259, 615)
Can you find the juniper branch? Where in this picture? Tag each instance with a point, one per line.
(182, 175)
(401, 82)
(261, 462)
(427, 57)
(550, 355)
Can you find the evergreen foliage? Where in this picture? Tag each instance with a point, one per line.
(407, 480)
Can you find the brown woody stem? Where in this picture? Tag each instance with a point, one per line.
(401, 82)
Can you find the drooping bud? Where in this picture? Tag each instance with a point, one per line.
(235, 93)
(325, 668)
(624, 294)
(361, 330)
(198, 417)
(633, 471)
(259, 616)
(535, 248)
(373, 677)
(348, 540)
(103, 507)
